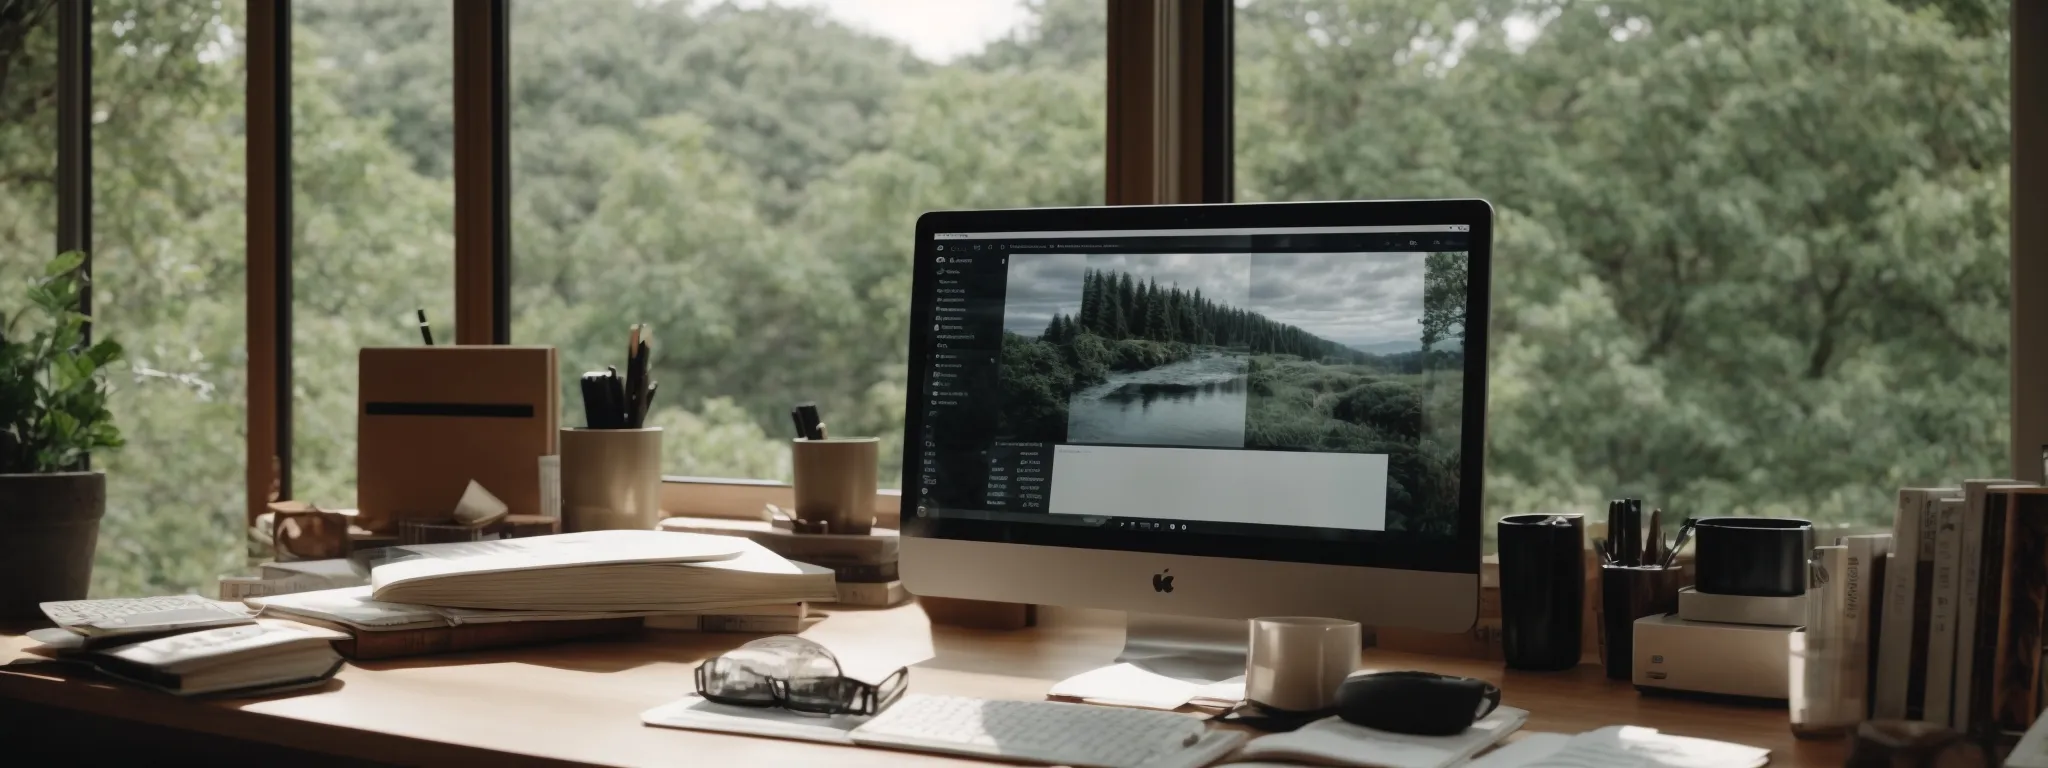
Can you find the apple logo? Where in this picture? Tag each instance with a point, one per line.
(1161, 582)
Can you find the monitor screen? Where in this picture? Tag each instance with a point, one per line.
(1195, 389)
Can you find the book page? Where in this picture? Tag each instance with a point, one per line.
(429, 561)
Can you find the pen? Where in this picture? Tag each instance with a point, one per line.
(1653, 545)
(1613, 550)
(426, 333)
(1631, 553)
(1684, 535)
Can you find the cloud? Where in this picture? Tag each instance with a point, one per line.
(1355, 299)
(1038, 285)
(1349, 298)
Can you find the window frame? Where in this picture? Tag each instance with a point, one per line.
(1169, 140)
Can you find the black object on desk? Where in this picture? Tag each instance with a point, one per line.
(1628, 593)
(610, 402)
(1542, 590)
(1757, 556)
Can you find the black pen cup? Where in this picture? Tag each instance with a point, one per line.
(1755, 556)
(1542, 590)
(1628, 593)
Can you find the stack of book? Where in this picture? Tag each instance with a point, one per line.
(187, 645)
(472, 595)
(1947, 610)
(864, 567)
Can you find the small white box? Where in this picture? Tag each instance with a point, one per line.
(1742, 609)
(1706, 657)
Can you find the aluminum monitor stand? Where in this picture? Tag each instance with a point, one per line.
(1187, 648)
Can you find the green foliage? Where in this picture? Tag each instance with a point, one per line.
(53, 401)
(1750, 257)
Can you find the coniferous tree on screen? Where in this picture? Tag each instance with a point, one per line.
(1116, 307)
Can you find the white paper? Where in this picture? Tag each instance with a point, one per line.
(566, 550)
(1333, 741)
(1626, 746)
(1127, 685)
(696, 713)
(478, 505)
(2032, 751)
(1532, 746)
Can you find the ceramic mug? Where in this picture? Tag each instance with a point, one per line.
(1296, 663)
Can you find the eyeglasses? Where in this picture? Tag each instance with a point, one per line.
(796, 674)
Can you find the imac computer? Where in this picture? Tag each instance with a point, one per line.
(1201, 412)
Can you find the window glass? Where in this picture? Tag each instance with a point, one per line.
(746, 178)
(168, 236)
(28, 145)
(1750, 258)
(373, 210)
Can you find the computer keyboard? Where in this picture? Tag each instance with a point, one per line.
(1047, 732)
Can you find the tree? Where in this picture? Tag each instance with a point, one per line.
(1443, 299)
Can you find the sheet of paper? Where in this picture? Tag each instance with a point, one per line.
(1532, 746)
(1335, 742)
(2032, 751)
(1626, 746)
(696, 713)
(1126, 685)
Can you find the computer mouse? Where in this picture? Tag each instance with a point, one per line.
(1419, 703)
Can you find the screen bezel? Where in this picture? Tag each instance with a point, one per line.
(1459, 553)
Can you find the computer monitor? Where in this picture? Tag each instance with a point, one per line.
(1220, 411)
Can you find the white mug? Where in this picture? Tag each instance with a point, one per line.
(1297, 662)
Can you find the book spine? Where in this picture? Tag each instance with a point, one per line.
(1823, 660)
(768, 625)
(1862, 562)
(887, 594)
(2016, 680)
(1990, 601)
(864, 573)
(1969, 592)
(1923, 610)
(1941, 639)
(1895, 641)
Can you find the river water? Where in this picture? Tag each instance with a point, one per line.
(1199, 401)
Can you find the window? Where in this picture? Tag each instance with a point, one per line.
(1751, 258)
(28, 141)
(745, 178)
(373, 214)
(168, 253)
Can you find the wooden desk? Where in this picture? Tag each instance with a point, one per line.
(579, 703)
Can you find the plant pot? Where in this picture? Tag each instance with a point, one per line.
(49, 525)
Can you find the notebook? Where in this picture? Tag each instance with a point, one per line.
(1331, 741)
(260, 657)
(600, 571)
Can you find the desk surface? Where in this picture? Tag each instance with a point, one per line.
(579, 703)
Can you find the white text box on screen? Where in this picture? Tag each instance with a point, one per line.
(1318, 490)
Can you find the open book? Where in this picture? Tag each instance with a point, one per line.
(261, 657)
(606, 571)
(353, 608)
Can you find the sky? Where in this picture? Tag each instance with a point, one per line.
(936, 30)
(1355, 299)
(1040, 284)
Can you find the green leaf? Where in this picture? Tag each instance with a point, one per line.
(65, 263)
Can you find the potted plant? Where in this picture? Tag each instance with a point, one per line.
(53, 413)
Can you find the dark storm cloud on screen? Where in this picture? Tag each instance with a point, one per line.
(1038, 285)
(1356, 299)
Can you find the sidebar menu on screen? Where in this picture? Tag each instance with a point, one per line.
(963, 354)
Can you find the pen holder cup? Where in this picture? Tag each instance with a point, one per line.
(835, 483)
(611, 479)
(1626, 594)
